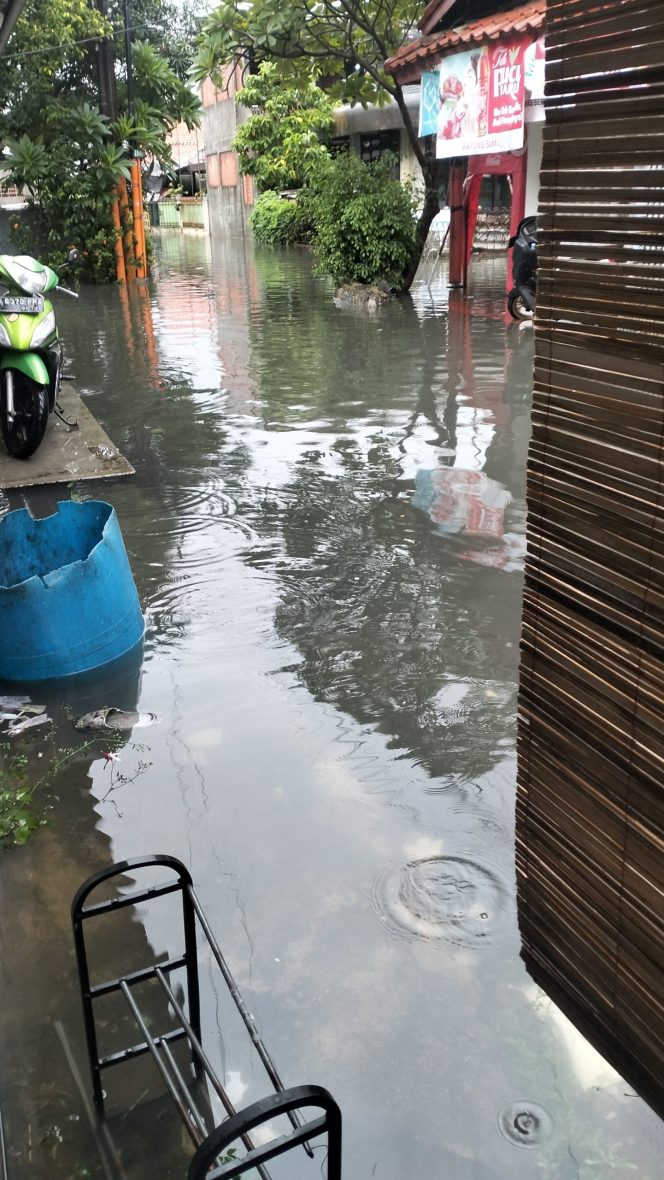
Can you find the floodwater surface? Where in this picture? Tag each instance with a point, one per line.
(326, 528)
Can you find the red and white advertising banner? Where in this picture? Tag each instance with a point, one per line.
(534, 58)
(483, 98)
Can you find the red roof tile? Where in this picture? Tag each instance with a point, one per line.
(426, 52)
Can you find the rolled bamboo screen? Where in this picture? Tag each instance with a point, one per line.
(590, 804)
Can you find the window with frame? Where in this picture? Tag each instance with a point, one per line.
(375, 145)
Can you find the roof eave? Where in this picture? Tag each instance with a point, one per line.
(434, 13)
(417, 58)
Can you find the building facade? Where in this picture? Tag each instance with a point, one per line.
(230, 195)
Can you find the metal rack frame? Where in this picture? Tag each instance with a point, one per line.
(209, 1142)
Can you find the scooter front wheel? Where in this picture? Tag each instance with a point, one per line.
(25, 430)
(517, 307)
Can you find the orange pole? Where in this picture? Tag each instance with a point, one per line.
(120, 269)
(127, 239)
(126, 315)
(457, 274)
(137, 210)
(148, 325)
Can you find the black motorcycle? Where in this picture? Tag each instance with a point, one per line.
(521, 299)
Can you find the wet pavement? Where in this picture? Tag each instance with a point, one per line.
(326, 529)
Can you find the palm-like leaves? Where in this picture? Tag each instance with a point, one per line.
(28, 162)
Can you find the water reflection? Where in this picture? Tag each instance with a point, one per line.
(337, 686)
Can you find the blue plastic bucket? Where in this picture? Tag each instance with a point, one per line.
(68, 602)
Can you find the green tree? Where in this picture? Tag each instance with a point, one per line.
(67, 154)
(363, 220)
(50, 64)
(345, 42)
(283, 139)
(170, 28)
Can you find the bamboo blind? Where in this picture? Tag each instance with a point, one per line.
(590, 802)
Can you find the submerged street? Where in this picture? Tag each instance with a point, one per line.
(327, 530)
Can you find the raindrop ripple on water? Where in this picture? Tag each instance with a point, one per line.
(449, 898)
(525, 1124)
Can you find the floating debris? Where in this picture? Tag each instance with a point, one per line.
(118, 719)
(462, 503)
(24, 723)
(21, 714)
(13, 703)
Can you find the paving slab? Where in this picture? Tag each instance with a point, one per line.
(86, 453)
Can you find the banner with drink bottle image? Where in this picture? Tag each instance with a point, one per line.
(484, 97)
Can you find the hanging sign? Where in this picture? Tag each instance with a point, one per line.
(429, 103)
(482, 100)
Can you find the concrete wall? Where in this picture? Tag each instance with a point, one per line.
(535, 134)
(357, 121)
(230, 196)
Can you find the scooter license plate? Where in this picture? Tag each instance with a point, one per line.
(21, 304)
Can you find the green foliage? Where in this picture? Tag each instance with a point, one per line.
(345, 46)
(282, 141)
(27, 161)
(18, 816)
(277, 222)
(62, 150)
(170, 26)
(364, 223)
(345, 43)
(32, 87)
(70, 184)
(24, 794)
(161, 90)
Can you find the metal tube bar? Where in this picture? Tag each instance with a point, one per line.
(268, 1151)
(198, 1049)
(191, 957)
(166, 1077)
(9, 395)
(257, 1115)
(88, 1013)
(138, 1050)
(270, 1067)
(113, 985)
(177, 1073)
(118, 903)
(196, 1045)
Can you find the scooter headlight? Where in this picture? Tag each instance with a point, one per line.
(5, 342)
(44, 330)
(31, 281)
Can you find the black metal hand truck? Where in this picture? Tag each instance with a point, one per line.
(210, 1142)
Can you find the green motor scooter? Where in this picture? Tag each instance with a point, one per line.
(30, 351)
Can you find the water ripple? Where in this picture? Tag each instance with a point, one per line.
(452, 898)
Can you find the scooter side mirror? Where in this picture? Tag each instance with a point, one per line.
(72, 256)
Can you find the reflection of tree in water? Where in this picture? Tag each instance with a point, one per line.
(169, 427)
(393, 629)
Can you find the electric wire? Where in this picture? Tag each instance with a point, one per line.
(111, 36)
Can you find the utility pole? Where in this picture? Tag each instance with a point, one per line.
(130, 72)
(108, 91)
(136, 157)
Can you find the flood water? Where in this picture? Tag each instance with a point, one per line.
(326, 528)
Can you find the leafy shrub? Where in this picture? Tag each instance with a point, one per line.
(69, 198)
(363, 218)
(283, 138)
(277, 222)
